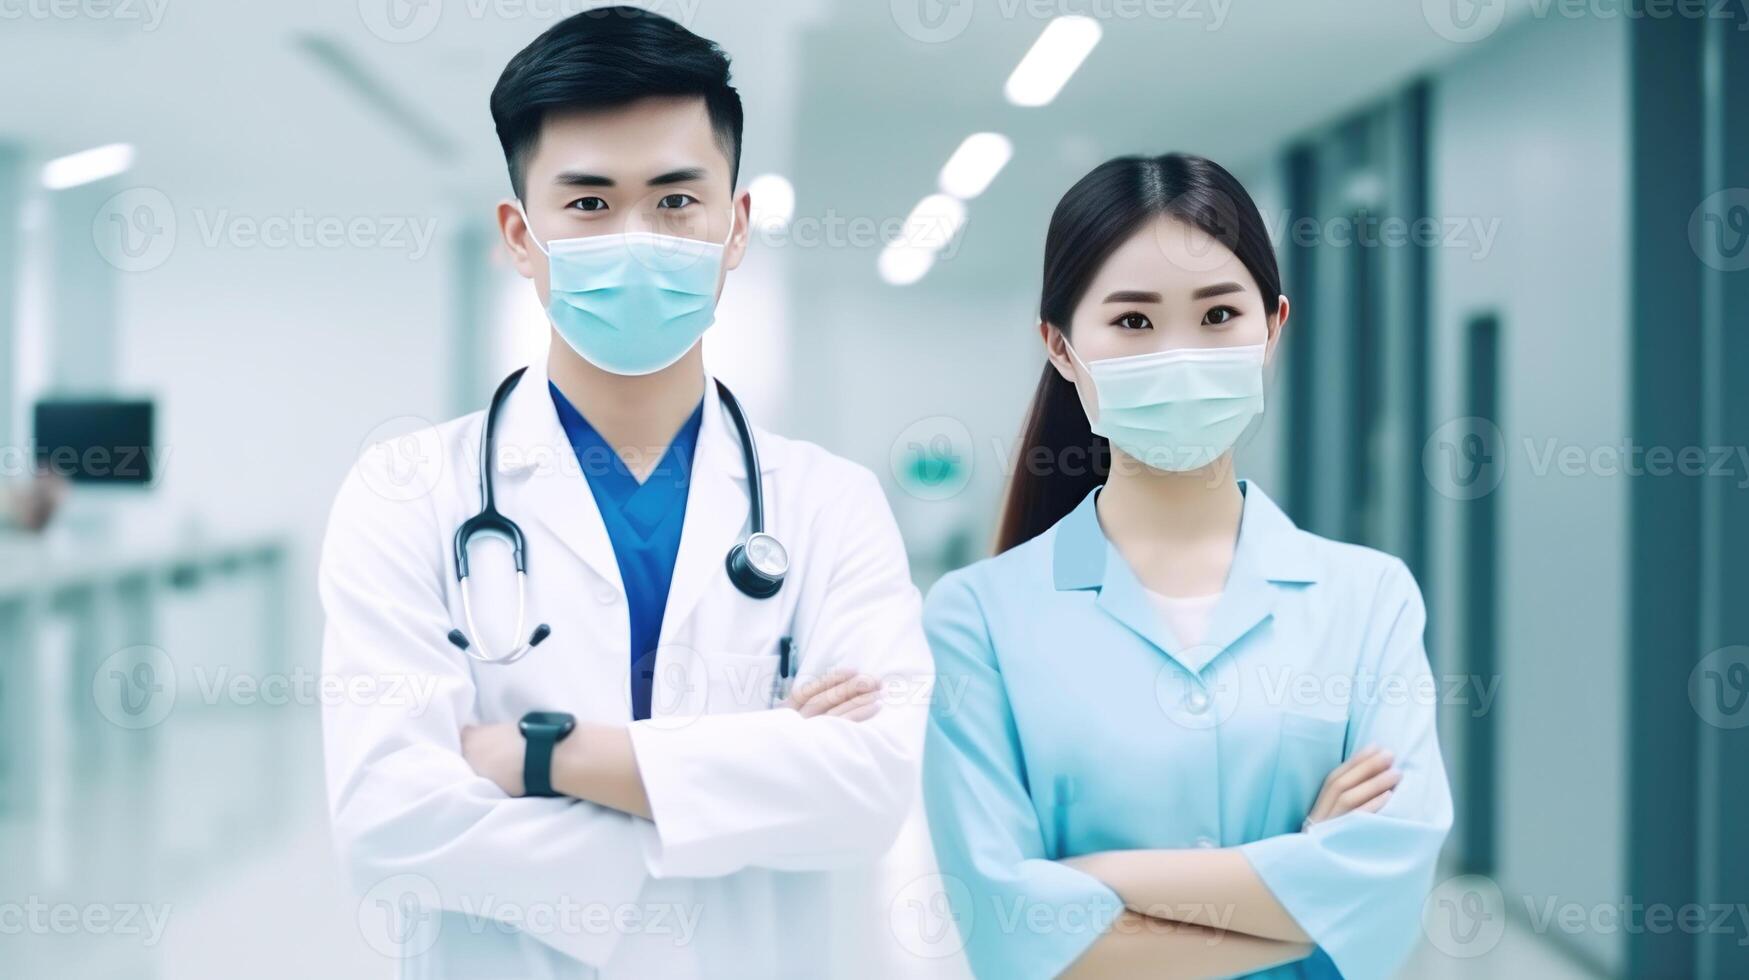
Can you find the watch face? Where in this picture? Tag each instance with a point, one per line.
(767, 555)
(557, 721)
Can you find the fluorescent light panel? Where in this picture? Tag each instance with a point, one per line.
(87, 165)
(975, 164)
(1053, 58)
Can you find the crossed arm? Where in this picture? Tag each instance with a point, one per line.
(1351, 888)
(597, 763)
(406, 795)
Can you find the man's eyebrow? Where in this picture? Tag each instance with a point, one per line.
(573, 178)
(1132, 296)
(1218, 289)
(685, 175)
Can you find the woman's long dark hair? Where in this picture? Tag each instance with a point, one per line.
(1061, 460)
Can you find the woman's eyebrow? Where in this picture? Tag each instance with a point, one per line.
(1132, 296)
(1218, 289)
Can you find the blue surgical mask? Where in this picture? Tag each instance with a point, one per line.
(633, 302)
(1176, 409)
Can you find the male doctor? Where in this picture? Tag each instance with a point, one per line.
(678, 778)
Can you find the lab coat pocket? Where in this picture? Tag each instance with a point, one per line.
(1310, 746)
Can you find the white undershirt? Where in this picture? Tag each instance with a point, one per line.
(1186, 616)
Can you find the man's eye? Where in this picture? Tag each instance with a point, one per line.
(589, 204)
(676, 201)
(1133, 321)
(1219, 315)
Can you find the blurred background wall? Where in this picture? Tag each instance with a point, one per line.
(1514, 233)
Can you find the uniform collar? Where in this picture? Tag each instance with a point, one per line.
(1271, 552)
(544, 483)
(531, 437)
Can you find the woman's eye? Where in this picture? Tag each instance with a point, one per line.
(1133, 321)
(1219, 315)
(589, 204)
(676, 201)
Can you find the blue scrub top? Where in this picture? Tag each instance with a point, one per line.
(643, 522)
(1068, 719)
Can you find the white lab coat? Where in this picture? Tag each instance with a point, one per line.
(771, 852)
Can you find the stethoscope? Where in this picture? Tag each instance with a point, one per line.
(756, 564)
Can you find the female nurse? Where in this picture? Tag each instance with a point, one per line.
(1173, 734)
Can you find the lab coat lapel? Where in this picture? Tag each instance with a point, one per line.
(1269, 551)
(1124, 598)
(716, 514)
(1085, 559)
(546, 479)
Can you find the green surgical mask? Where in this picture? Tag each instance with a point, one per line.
(1176, 410)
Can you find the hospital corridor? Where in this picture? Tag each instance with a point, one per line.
(256, 705)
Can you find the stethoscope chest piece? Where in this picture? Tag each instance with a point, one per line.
(757, 565)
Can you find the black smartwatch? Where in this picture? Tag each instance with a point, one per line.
(542, 730)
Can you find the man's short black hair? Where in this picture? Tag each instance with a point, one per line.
(608, 57)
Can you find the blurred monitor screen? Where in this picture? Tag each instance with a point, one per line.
(95, 441)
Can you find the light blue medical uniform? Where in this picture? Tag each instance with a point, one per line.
(1067, 719)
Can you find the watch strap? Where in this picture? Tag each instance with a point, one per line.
(537, 762)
